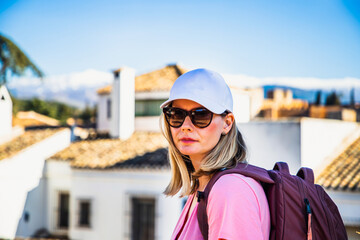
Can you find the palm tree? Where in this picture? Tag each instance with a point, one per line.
(15, 61)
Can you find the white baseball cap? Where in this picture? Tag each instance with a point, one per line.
(208, 88)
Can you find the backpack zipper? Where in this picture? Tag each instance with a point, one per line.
(307, 209)
(308, 212)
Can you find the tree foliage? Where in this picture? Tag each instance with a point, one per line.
(87, 115)
(14, 60)
(318, 98)
(352, 97)
(57, 110)
(332, 99)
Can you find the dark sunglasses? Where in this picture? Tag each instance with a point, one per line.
(200, 117)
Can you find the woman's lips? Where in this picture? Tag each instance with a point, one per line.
(187, 140)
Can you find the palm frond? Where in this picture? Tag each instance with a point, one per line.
(14, 60)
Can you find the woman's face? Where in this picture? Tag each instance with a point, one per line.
(197, 142)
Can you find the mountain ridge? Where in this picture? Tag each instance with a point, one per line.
(79, 88)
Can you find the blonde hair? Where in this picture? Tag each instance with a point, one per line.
(229, 151)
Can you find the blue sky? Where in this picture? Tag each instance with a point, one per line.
(265, 38)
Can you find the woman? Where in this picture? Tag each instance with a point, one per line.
(203, 138)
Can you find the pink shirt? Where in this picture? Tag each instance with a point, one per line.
(237, 209)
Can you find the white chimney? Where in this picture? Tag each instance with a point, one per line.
(122, 121)
(5, 112)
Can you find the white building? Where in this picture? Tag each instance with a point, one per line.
(151, 89)
(22, 186)
(298, 141)
(5, 113)
(113, 189)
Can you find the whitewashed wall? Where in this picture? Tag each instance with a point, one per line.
(299, 142)
(150, 123)
(241, 105)
(58, 180)
(269, 142)
(5, 112)
(110, 193)
(122, 122)
(147, 124)
(348, 204)
(103, 122)
(256, 100)
(320, 137)
(21, 187)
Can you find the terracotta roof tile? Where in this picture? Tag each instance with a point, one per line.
(343, 173)
(103, 153)
(158, 80)
(31, 118)
(25, 140)
(154, 159)
(104, 90)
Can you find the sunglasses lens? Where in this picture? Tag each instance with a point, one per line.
(201, 117)
(175, 117)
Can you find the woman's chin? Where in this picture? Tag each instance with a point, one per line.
(188, 151)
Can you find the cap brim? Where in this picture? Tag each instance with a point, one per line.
(209, 104)
(164, 104)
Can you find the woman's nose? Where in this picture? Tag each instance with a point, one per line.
(187, 124)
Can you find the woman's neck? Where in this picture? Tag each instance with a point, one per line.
(203, 180)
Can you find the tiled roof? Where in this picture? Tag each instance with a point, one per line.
(25, 140)
(343, 173)
(31, 118)
(154, 159)
(103, 153)
(158, 80)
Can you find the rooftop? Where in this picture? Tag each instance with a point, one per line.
(105, 153)
(154, 159)
(25, 140)
(343, 173)
(158, 80)
(31, 118)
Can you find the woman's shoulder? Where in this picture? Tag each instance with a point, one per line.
(235, 191)
(237, 185)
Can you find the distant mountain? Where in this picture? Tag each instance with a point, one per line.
(302, 88)
(310, 94)
(79, 89)
(76, 89)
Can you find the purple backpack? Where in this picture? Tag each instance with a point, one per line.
(299, 209)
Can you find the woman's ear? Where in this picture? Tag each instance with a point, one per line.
(228, 122)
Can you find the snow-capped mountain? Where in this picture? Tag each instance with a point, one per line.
(79, 89)
(76, 89)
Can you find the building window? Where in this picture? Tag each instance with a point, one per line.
(143, 218)
(108, 108)
(148, 107)
(84, 213)
(63, 221)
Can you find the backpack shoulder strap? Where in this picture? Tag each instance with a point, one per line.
(307, 174)
(257, 173)
(282, 167)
